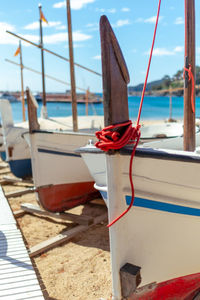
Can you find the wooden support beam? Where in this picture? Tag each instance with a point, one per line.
(130, 278)
(3, 165)
(16, 180)
(34, 209)
(19, 193)
(19, 213)
(5, 172)
(64, 237)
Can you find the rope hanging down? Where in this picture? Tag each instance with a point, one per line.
(110, 138)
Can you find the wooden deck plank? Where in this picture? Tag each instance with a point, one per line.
(9, 261)
(17, 274)
(18, 280)
(6, 216)
(15, 285)
(20, 293)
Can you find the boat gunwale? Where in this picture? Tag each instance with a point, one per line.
(64, 132)
(165, 154)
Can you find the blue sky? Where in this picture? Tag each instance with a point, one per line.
(133, 22)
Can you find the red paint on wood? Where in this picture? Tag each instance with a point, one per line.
(181, 288)
(58, 198)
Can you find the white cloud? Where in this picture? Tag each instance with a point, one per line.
(125, 9)
(179, 21)
(35, 25)
(198, 50)
(112, 10)
(178, 49)
(54, 38)
(166, 52)
(109, 10)
(92, 26)
(97, 57)
(61, 27)
(5, 38)
(151, 20)
(121, 23)
(162, 52)
(63, 37)
(75, 4)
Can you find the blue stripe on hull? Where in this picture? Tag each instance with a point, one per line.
(21, 168)
(161, 206)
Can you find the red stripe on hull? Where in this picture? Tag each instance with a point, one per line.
(58, 198)
(181, 288)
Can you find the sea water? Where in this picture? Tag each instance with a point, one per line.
(153, 108)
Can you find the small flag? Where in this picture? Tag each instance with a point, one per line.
(42, 17)
(17, 51)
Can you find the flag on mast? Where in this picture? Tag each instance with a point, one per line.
(42, 17)
(17, 51)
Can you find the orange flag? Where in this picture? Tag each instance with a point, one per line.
(42, 17)
(17, 51)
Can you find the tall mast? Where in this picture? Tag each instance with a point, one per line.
(22, 83)
(42, 61)
(189, 114)
(72, 74)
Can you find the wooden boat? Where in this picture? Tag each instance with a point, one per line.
(60, 176)
(14, 148)
(155, 246)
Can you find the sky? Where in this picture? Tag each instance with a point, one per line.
(133, 22)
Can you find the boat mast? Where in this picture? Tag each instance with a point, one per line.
(72, 74)
(44, 108)
(22, 82)
(189, 115)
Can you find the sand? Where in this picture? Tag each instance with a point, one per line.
(79, 269)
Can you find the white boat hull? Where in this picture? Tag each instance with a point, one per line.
(160, 232)
(60, 175)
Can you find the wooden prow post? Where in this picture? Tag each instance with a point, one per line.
(115, 80)
(115, 76)
(22, 82)
(32, 111)
(189, 115)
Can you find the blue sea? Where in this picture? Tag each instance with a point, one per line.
(153, 108)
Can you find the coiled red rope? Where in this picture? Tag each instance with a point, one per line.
(110, 137)
(190, 78)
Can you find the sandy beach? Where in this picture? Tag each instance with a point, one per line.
(79, 269)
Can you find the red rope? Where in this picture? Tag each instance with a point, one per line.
(190, 78)
(149, 64)
(110, 138)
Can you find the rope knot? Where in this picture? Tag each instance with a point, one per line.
(190, 78)
(117, 136)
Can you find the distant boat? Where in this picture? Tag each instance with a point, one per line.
(9, 97)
